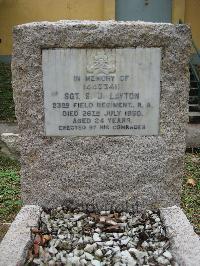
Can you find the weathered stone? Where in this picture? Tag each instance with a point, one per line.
(12, 141)
(89, 248)
(101, 172)
(185, 243)
(99, 253)
(8, 127)
(17, 241)
(9, 145)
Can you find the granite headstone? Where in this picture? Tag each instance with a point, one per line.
(102, 109)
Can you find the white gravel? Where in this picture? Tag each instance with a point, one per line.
(119, 239)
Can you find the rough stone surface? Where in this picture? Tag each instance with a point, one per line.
(185, 244)
(122, 173)
(6, 127)
(14, 246)
(12, 142)
(5, 151)
(10, 128)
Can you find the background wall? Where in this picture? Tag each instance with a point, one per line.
(14, 12)
(145, 10)
(192, 17)
(188, 11)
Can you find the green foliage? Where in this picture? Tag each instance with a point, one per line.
(7, 107)
(10, 201)
(191, 193)
(9, 164)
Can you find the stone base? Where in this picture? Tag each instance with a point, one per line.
(193, 135)
(185, 244)
(17, 241)
(8, 127)
(9, 145)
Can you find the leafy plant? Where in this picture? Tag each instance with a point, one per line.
(10, 201)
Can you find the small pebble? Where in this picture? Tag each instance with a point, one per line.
(51, 263)
(37, 261)
(96, 263)
(88, 256)
(167, 255)
(125, 241)
(83, 262)
(98, 253)
(53, 250)
(162, 260)
(89, 248)
(96, 237)
(61, 237)
(109, 243)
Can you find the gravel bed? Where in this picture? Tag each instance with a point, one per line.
(107, 238)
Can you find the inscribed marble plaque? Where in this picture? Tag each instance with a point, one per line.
(90, 92)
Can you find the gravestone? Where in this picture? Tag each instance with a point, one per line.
(102, 108)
